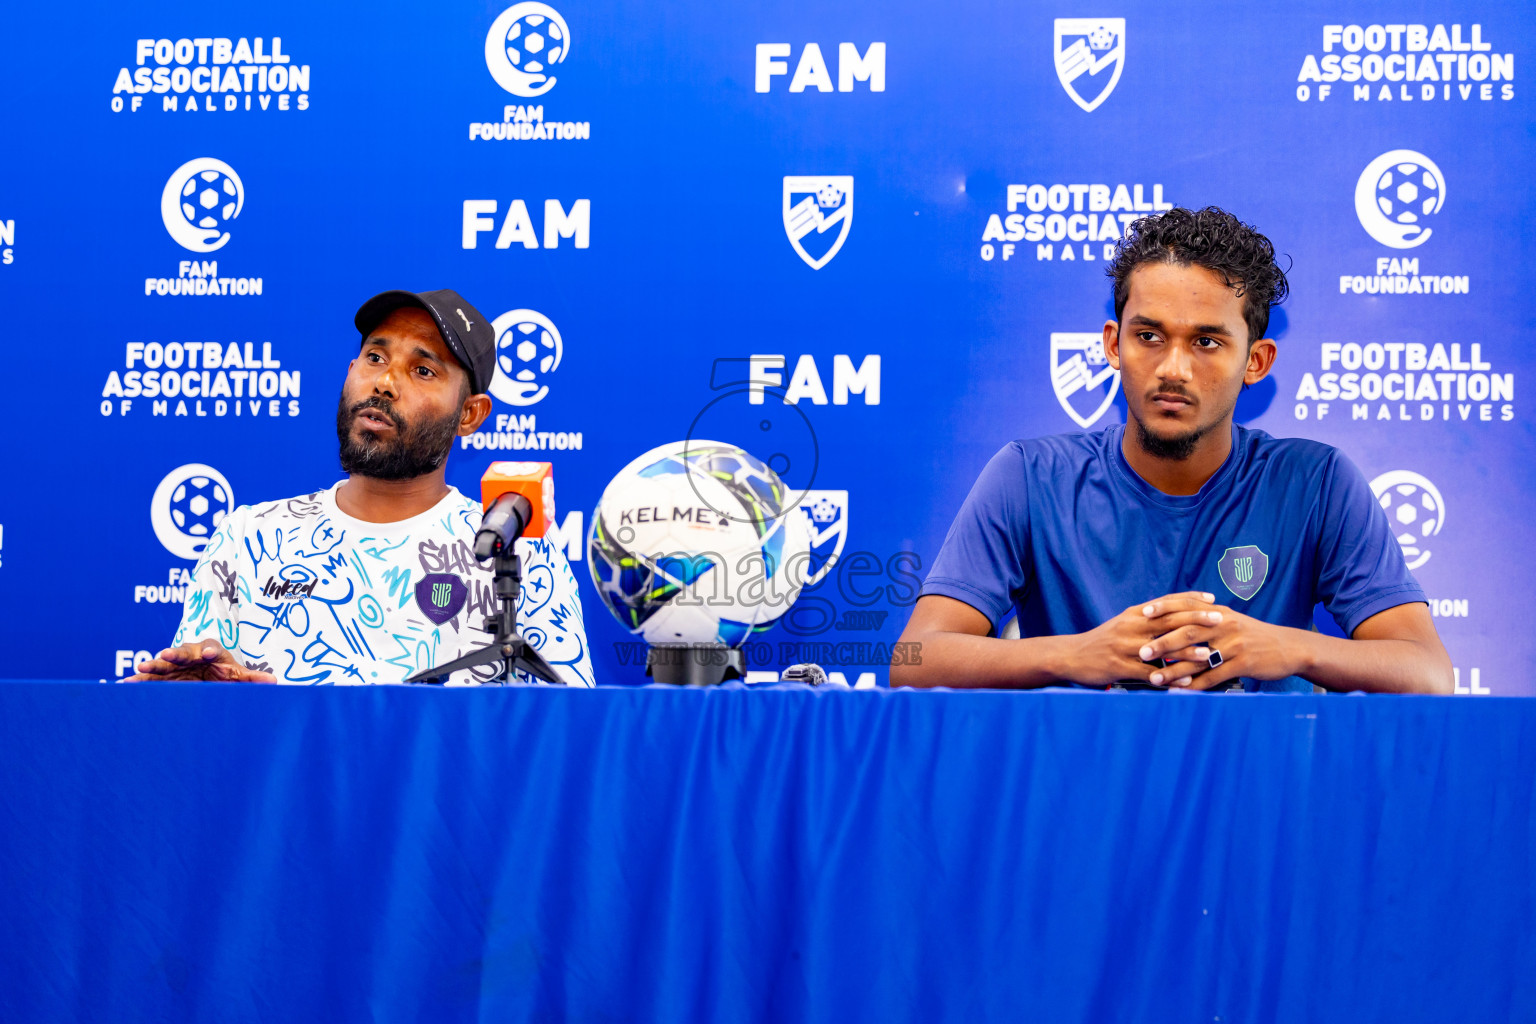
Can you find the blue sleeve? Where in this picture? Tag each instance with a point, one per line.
(982, 562)
(1360, 567)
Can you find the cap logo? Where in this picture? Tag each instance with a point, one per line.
(467, 325)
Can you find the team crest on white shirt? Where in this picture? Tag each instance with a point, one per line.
(440, 595)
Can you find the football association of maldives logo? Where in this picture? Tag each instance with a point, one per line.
(200, 201)
(826, 514)
(524, 44)
(1090, 54)
(1084, 382)
(813, 206)
(1244, 570)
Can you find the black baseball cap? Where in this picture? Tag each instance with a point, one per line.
(465, 331)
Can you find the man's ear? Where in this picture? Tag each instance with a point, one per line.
(1261, 359)
(476, 408)
(1112, 343)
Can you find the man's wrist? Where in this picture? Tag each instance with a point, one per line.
(1300, 647)
(1052, 657)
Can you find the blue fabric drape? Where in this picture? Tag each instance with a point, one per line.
(244, 853)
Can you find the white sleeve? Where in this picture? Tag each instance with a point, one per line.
(211, 608)
(549, 611)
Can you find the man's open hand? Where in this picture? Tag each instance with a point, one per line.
(1249, 647)
(1116, 650)
(205, 660)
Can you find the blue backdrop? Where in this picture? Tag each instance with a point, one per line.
(625, 184)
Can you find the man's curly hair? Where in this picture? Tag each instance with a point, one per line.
(1210, 238)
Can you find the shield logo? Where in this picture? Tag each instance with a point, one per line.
(1084, 382)
(826, 514)
(1090, 54)
(440, 595)
(814, 204)
(1244, 570)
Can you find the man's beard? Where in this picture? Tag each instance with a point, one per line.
(412, 452)
(1175, 449)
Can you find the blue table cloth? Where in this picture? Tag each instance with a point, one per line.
(255, 853)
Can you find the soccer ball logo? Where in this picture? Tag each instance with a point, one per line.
(1406, 191)
(1101, 38)
(822, 510)
(199, 202)
(1395, 194)
(828, 196)
(532, 40)
(525, 41)
(209, 198)
(1415, 510)
(188, 506)
(528, 349)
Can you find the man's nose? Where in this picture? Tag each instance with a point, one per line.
(385, 384)
(1175, 364)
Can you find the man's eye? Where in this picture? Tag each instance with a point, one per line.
(1147, 336)
(425, 371)
(1207, 343)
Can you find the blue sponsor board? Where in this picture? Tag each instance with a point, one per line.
(633, 193)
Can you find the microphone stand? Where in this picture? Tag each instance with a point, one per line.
(508, 648)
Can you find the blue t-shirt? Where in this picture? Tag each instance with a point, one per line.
(1063, 530)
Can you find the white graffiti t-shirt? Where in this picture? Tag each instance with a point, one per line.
(300, 589)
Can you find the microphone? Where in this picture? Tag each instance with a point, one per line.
(519, 500)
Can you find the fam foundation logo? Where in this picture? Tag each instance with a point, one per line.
(1397, 196)
(1084, 221)
(188, 505)
(200, 201)
(1090, 54)
(211, 75)
(529, 349)
(1084, 382)
(1406, 64)
(524, 46)
(1415, 510)
(815, 205)
(198, 206)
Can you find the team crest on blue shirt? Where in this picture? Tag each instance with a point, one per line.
(440, 595)
(1244, 570)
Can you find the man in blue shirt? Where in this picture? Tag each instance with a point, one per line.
(1180, 550)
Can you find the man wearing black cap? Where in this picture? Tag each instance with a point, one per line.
(375, 578)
